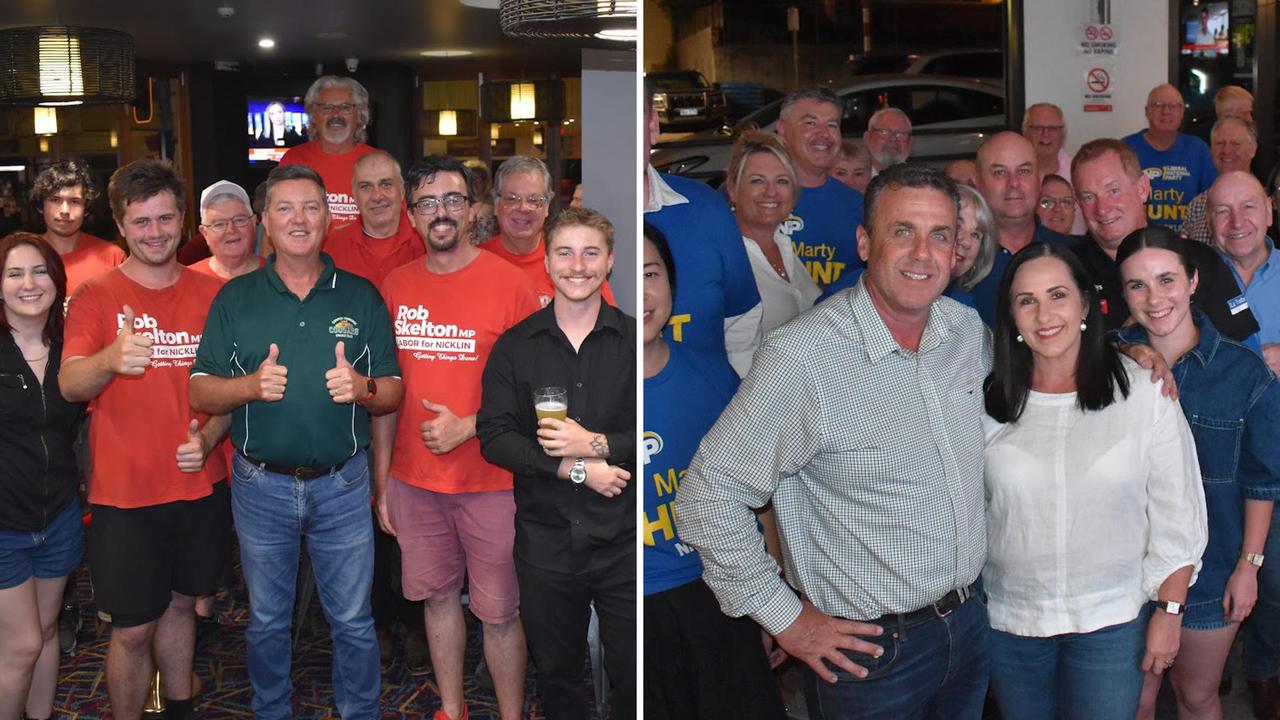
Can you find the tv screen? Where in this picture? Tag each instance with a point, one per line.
(275, 125)
(1207, 31)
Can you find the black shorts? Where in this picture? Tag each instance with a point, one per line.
(138, 556)
(700, 664)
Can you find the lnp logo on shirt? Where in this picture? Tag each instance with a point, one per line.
(344, 327)
(819, 260)
(652, 445)
(435, 341)
(167, 348)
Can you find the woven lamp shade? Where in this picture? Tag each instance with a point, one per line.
(612, 20)
(59, 64)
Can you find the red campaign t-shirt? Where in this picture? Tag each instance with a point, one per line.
(445, 327)
(139, 421)
(206, 268)
(372, 258)
(335, 170)
(534, 266)
(92, 256)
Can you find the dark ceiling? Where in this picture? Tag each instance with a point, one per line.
(309, 31)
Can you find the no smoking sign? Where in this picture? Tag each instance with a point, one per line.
(1097, 90)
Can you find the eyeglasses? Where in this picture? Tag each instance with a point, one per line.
(537, 202)
(344, 108)
(887, 134)
(238, 222)
(1045, 128)
(453, 202)
(1065, 203)
(1164, 105)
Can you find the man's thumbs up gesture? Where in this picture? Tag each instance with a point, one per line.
(272, 376)
(344, 383)
(129, 354)
(192, 452)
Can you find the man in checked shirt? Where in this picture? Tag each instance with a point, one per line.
(861, 420)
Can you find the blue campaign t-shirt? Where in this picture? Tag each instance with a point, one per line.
(1177, 175)
(681, 403)
(711, 265)
(823, 229)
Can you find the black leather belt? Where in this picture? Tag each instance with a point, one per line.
(939, 609)
(300, 472)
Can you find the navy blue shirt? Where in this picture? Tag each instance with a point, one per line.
(984, 293)
(1232, 403)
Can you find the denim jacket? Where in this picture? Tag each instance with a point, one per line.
(1232, 403)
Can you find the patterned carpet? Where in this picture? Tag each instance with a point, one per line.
(225, 691)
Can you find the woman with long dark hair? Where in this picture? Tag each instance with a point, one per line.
(40, 533)
(1232, 403)
(1095, 516)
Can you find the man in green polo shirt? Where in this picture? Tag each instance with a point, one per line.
(301, 354)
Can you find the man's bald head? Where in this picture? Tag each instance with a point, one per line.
(1008, 179)
(1240, 213)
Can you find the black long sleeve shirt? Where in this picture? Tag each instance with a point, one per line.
(561, 525)
(37, 432)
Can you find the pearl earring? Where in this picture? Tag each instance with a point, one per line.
(1019, 338)
(1083, 326)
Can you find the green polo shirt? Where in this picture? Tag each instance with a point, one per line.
(305, 428)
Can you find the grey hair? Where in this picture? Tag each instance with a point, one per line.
(521, 164)
(875, 117)
(821, 94)
(283, 173)
(1253, 132)
(1041, 106)
(986, 258)
(204, 206)
(359, 96)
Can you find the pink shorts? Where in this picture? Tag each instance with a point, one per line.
(442, 536)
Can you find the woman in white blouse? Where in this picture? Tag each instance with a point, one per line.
(1095, 513)
(762, 188)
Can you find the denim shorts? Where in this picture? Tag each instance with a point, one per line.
(48, 553)
(1205, 615)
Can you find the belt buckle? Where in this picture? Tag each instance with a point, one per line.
(950, 602)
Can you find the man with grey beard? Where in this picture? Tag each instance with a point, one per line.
(888, 139)
(338, 112)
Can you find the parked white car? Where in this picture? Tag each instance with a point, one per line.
(950, 118)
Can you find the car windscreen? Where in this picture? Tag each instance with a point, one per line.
(684, 81)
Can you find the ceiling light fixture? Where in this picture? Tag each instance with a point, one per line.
(613, 21)
(448, 123)
(523, 103)
(66, 65)
(46, 120)
(445, 53)
(266, 43)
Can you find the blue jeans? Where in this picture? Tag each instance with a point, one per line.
(273, 513)
(1262, 629)
(1095, 675)
(938, 670)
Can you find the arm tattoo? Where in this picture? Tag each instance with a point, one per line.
(600, 445)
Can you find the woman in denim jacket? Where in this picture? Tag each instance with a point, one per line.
(1232, 403)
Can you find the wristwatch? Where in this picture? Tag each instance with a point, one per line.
(578, 473)
(1172, 607)
(1254, 559)
(372, 387)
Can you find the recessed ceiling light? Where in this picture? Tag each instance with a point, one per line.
(266, 43)
(445, 53)
(482, 4)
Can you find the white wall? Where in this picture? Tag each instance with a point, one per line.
(1056, 67)
(610, 158)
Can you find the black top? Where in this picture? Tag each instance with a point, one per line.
(1217, 287)
(561, 525)
(37, 431)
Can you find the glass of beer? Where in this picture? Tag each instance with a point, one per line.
(551, 402)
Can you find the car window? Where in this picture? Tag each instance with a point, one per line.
(927, 104)
(981, 65)
(682, 81)
(858, 109)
